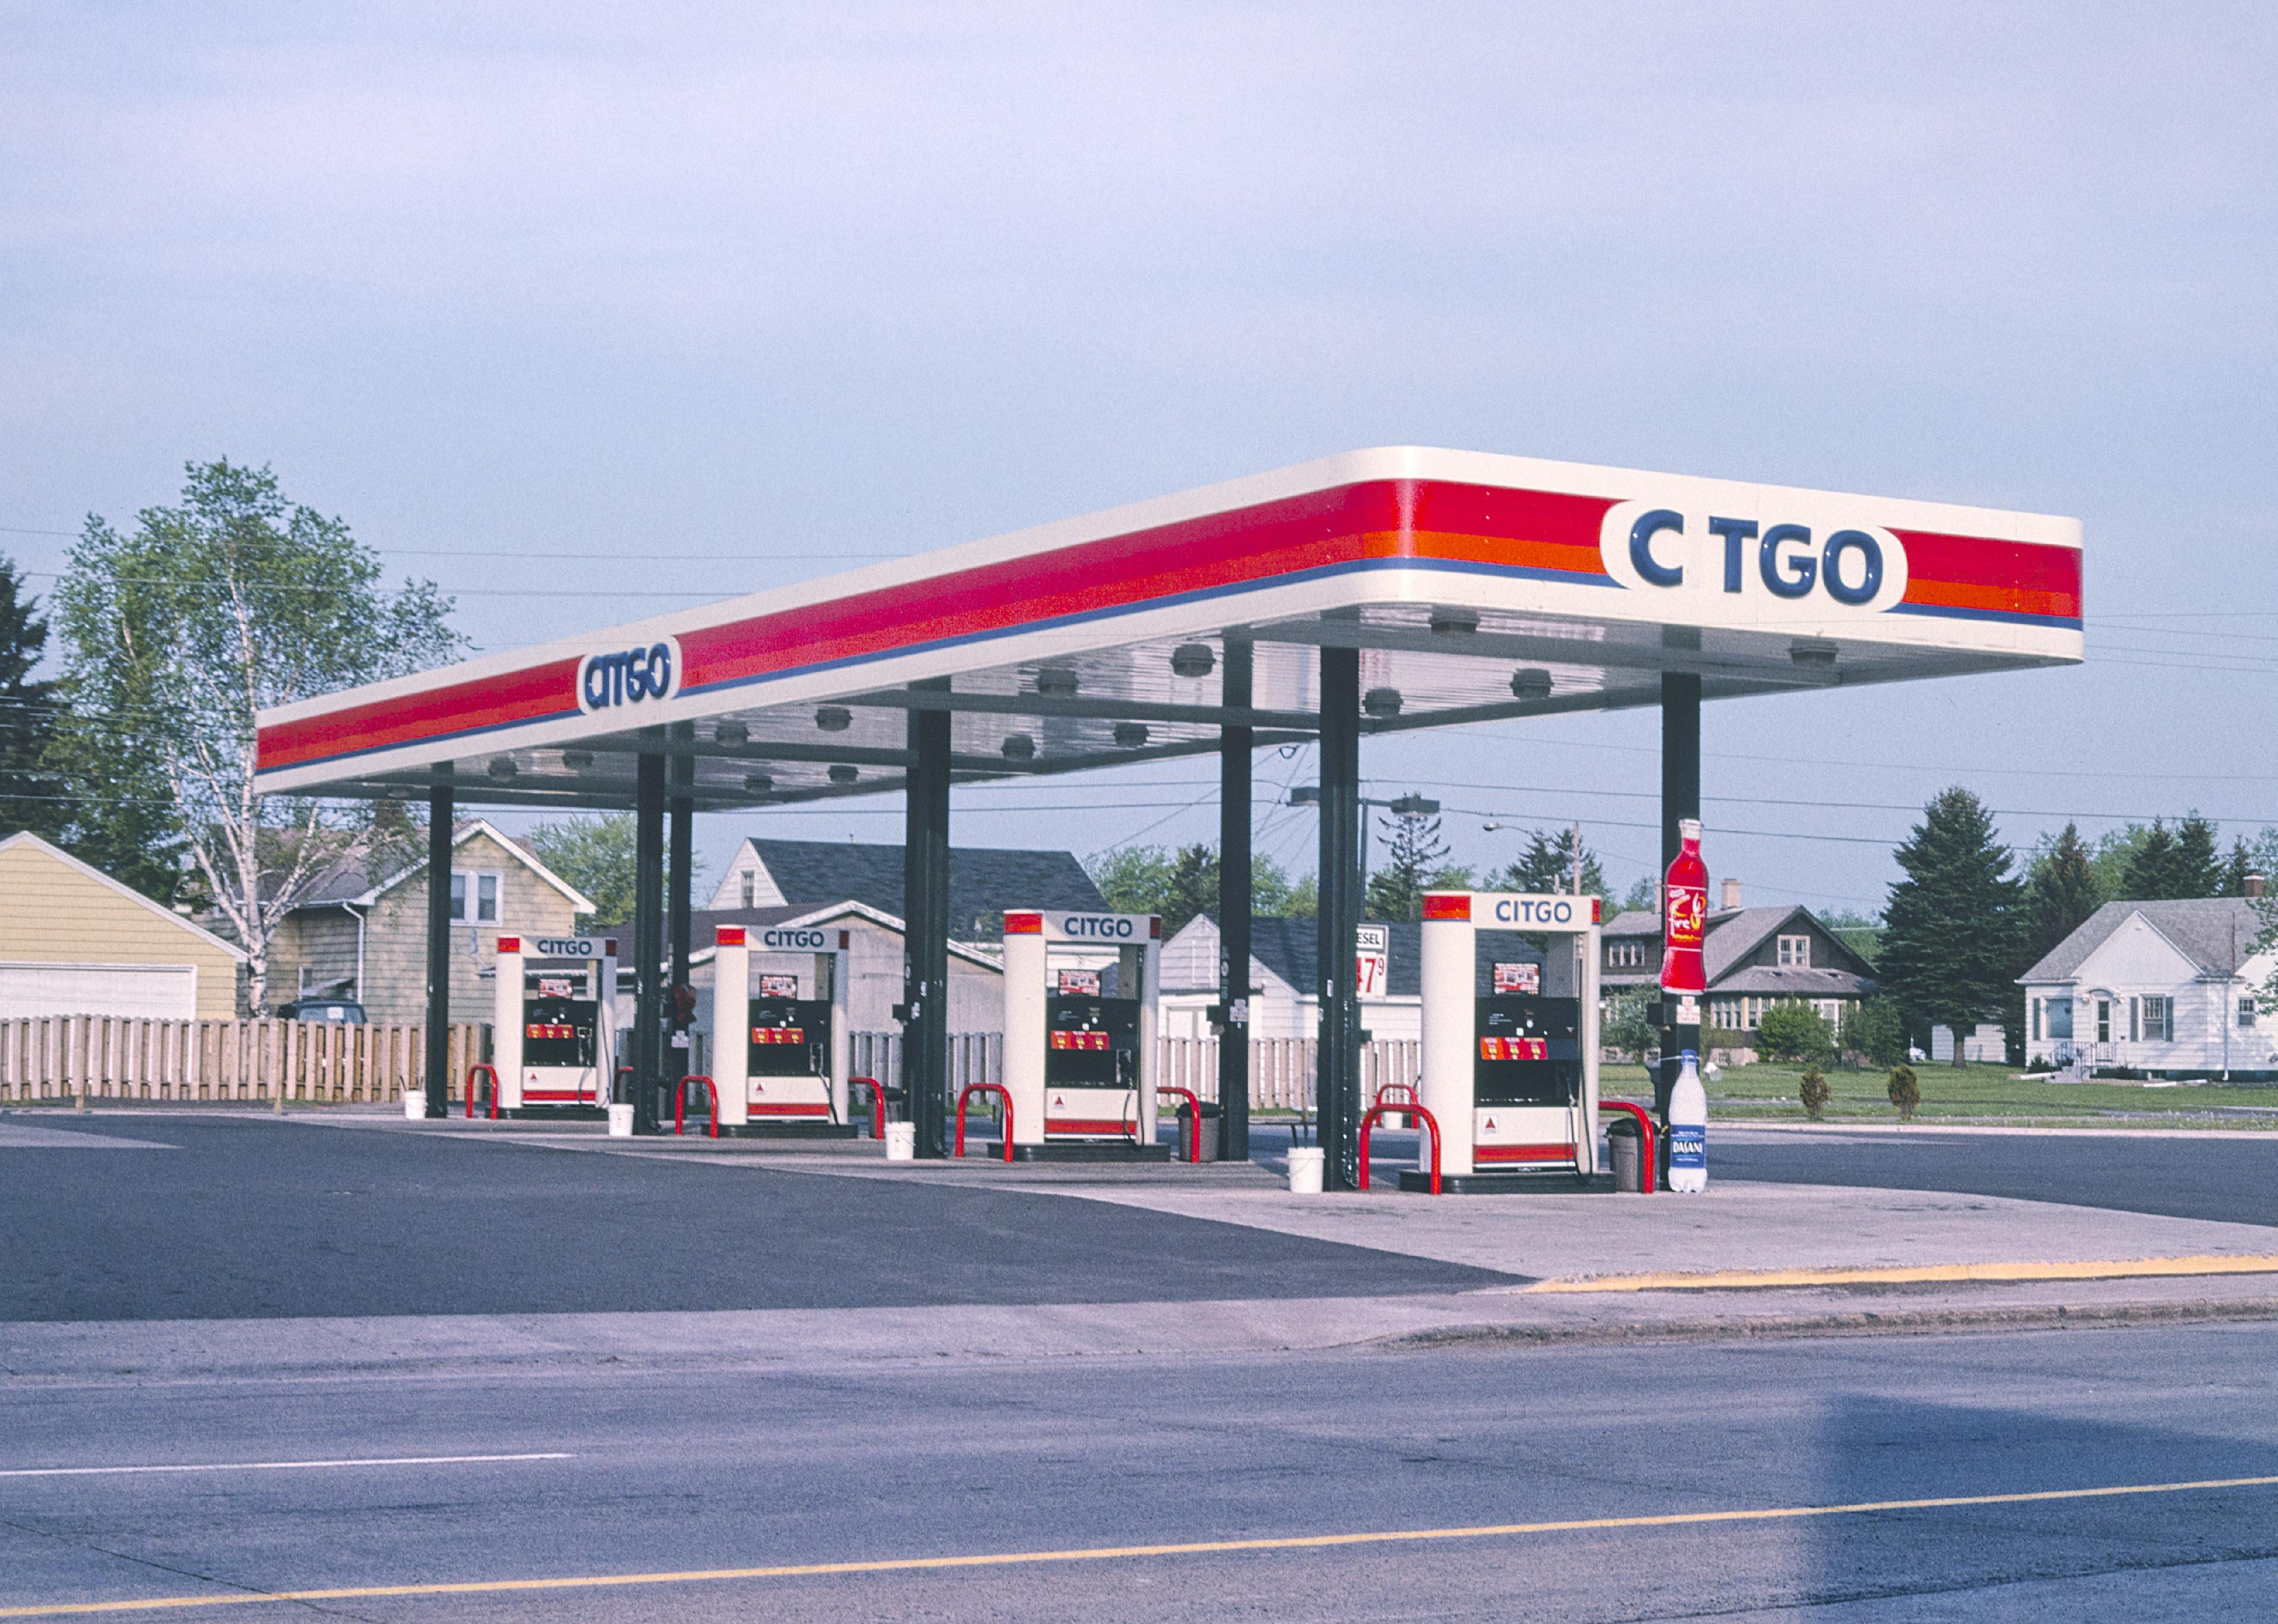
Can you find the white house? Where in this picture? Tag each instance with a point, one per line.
(1284, 975)
(2166, 988)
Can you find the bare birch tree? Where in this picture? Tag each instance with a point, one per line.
(176, 635)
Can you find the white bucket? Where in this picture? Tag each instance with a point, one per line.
(1305, 1170)
(415, 1104)
(621, 1122)
(901, 1141)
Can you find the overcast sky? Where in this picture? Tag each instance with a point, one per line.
(587, 312)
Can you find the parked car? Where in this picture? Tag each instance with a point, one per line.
(321, 1009)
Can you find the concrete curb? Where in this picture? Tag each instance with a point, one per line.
(1797, 1326)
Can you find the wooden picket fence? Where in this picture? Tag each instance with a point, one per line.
(1281, 1068)
(117, 1057)
(114, 1057)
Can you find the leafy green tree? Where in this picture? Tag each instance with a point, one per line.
(1305, 898)
(596, 855)
(1643, 896)
(1151, 879)
(178, 633)
(1548, 865)
(1414, 860)
(1861, 933)
(29, 795)
(1133, 879)
(1632, 1024)
(1874, 1028)
(1951, 932)
(1791, 1030)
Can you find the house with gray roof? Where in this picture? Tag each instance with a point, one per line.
(2166, 988)
(1284, 962)
(1753, 958)
(985, 882)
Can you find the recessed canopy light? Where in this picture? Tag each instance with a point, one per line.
(1130, 735)
(1381, 701)
(1532, 684)
(1192, 660)
(833, 719)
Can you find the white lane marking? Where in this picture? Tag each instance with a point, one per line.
(272, 1465)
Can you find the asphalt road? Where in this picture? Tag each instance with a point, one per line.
(700, 1473)
(2233, 1178)
(253, 1219)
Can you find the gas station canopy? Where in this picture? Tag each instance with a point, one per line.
(1476, 587)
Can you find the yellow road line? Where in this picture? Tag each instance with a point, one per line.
(1108, 1553)
(1727, 1279)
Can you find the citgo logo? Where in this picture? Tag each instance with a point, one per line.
(608, 680)
(1825, 555)
(1096, 927)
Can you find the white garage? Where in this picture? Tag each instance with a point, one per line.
(151, 991)
(73, 941)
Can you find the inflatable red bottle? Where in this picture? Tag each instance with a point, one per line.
(1685, 915)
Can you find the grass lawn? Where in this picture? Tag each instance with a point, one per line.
(1965, 1094)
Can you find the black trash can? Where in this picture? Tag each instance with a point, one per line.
(1628, 1149)
(1206, 1141)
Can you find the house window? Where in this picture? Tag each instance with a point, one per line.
(2157, 1027)
(2104, 1020)
(750, 887)
(2035, 1007)
(484, 885)
(1625, 955)
(2246, 1012)
(2059, 1011)
(1796, 952)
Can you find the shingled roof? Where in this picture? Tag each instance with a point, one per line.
(983, 881)
(2217, 934)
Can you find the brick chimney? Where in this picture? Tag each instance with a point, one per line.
(2254, 884)
(1729, 896)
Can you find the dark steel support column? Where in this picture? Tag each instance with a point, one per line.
(1338, 1076)
(678, 1056)
(925, 929)
(1233, 903)
(648, 941)
(1680, 799)
(438, 950)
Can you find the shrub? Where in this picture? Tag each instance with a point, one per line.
(1633, 1023)
(1906, 1090)
(1815, 1093)
(1794, 1031)
(1875, 1029)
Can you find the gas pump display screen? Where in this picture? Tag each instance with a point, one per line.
(1528, 1051)
(1091, 1042)
(791, 1038)
(558, 1031)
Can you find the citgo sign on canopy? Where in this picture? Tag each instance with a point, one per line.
(628, 675)
(1813, 553)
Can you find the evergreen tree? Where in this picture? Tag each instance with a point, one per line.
(2198, 870)
(1951, 931)
(1191, 887)
(2154, 872)
(29, 796)
(1414, 859)
(1548, 865)
(2060, 893)
(2236, 867)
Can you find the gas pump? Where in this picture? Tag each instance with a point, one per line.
(554, 1039)
(1080, 1035)
(1510, 1050)
(780, 1035)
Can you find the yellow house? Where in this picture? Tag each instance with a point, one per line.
(75, 941)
